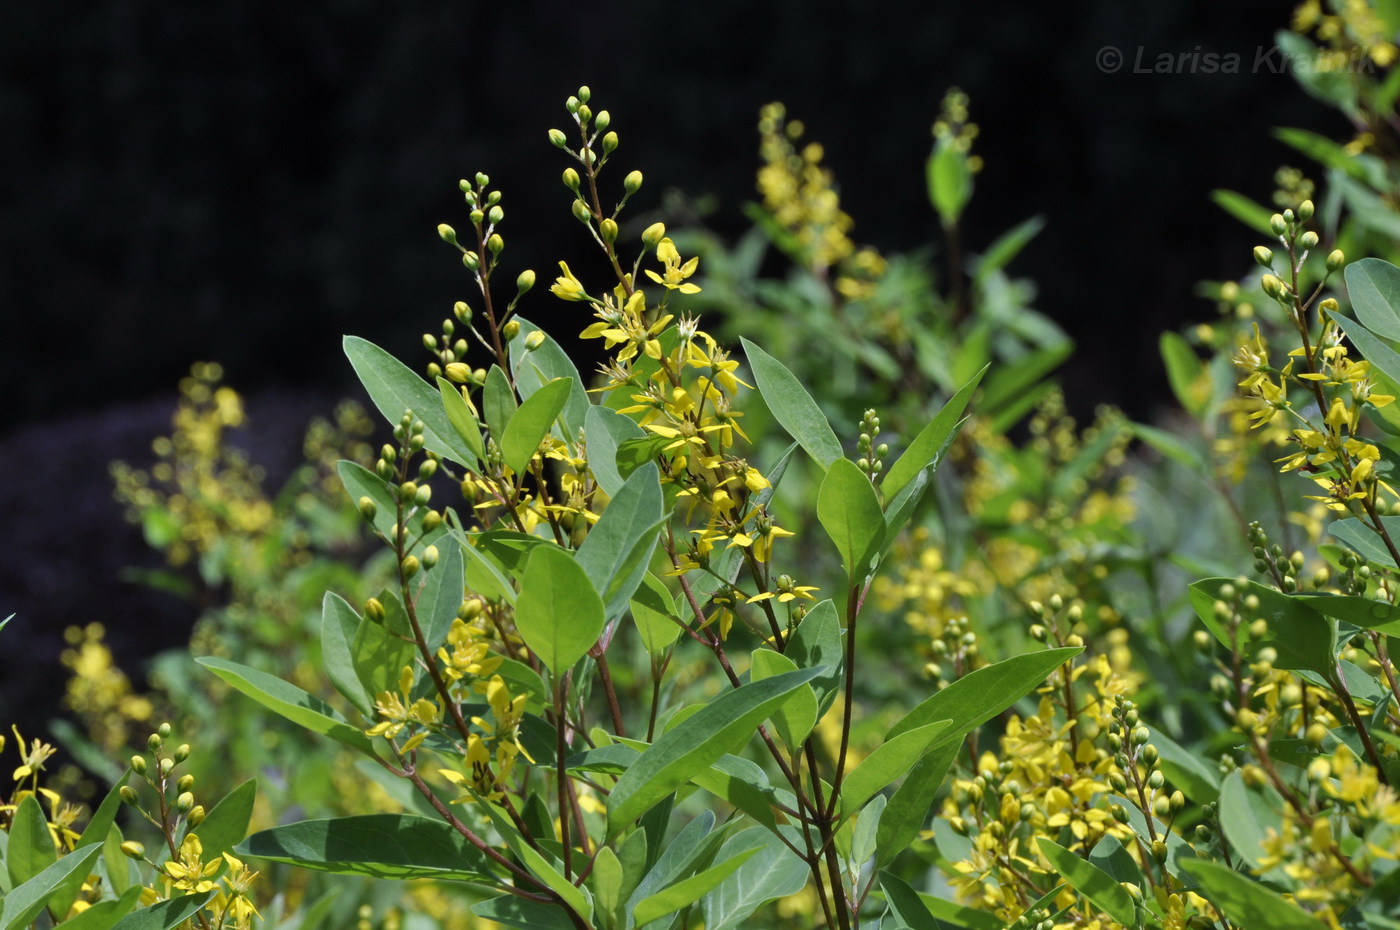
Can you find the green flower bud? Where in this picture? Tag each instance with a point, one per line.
(182, 752)
(374, 610)
(585, 113)
(1271, 285)
(196, 815)
(409, 566)
(166, 766)
(1159, 850)
(1308, 240)
(1278, 224)
(430, 342)
(510, 330)
(633, 182)
(458, 372)
(524, 281)
(558, 139)
(422, 495)
(482, 180)
(133, 850)
(185, 783)
(138, 765)
(163, 730)
(128, 794)
(1305, 210)
(430, 557)
(1316, 735)
(154, 742)
(495, 243)
(185, 802)
(608, 230)
(471, 260)
(653, 234)
(1149, 754)
(584, 94)
(581, 211)
(1254, 777)
(535, 339)
(495, 215)
(431, 521)
(462, 312)
(609, 143)
(602, 121)
(571, 179)
(1263, 256)
(1335, 260)
(448, 234)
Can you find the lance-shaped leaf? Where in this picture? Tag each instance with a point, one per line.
(774, 872)
(30, 849)
(817, 644)
(227, 824)
(546, 362)
(723, 726)
(1365, 540)
(796, 716)
(166, 914)
(61, 901)
(498, 402)
(440, 596)
(927, 449)
(1301, 637)
(1246, 902)
(978, 697)
(909, 806)
(654, 611)
(338, 625)
(513, 911)
(792, 406)
(463, 420)
(687, 891)
(607, 430)
(402, 846)
(289, 701)
(849, 510)
(1092, 882)
(558, 613)
(887, 764)
(394, 388)
(542, 867)
(618, 547)
(27, 899)
(529, 425)
(104, 914)
(1373, 286)
(1358, 611)
(905, 904)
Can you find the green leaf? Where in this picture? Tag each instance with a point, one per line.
(532, 422)
(743, 785)
(688, 891)
(361, 482)
(402, 846)
(1374, 350)
(690, 849)
(31, 848)
(865, 839)
(1172, 446)
(979, 696)
(227, 824)
(380, 651)
(792, 406)
(440, 596)
(1246, 902)
(773, 872)
(289, 701)
(1373, 285)
(1365, 540)
(908, 808)
(606, 881)
(338, 625)
(1092, 882)
(817, 644)
(607, 430)
(115, 862)
(1005, 248)
(1184, 370)
(949, 181)
(28, 898)
(104, 914)
(849, 510)
(558, 613)
(960, 916)
(394, 388)
(723, 726)
(653, 610)
(927, 449)
(521, 912)
(540, 866)
(537, 367)
(1245, 210)
(61, 901)
(1182, 767)
(1246, 817)
(498, 403)
(618, 547)
(887, 764)
(1301, 636)
(1358, 611)
(796, 716)
(166, 914)
(1109, 855)
(1178, 850)
(460, 415)
(484, 575)
(906, 905)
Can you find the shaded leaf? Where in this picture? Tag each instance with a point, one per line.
(532, 422)
(289, 701)
(1091, 881)
(792, 406)
(927, 449)
(1246, 902)
(394, 389)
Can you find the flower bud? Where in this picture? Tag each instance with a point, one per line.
(584, 94)
(409, 566)
(633, 182)
(166, 766)
(448, 234)
(1159, 850)
(1271, 285)
(1305, 210)
(128, 794)
(571, 179)
(374, 610)
(1308, 240)
(423, 495)
(163, 730)
(524, 281)
(471, 260)
(196, 815)
(430, 557)
(558, 139)
(495, 243)
(482, 180)
(133, 850)
(1278, 224)
(431, 521)
(185, 802)
(495, 215)
(1335, 260)
(608, 230)
(609, 143)
(653, 234)
(185, 783)
(154, 742)
(458, 372)
(1263, 256)
(535, 339)
(138, 765)
(510, 330)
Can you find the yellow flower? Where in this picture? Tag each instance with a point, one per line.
(187, 871)
(675, 272)
(567, 287)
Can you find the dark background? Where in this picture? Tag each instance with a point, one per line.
(246, 181)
